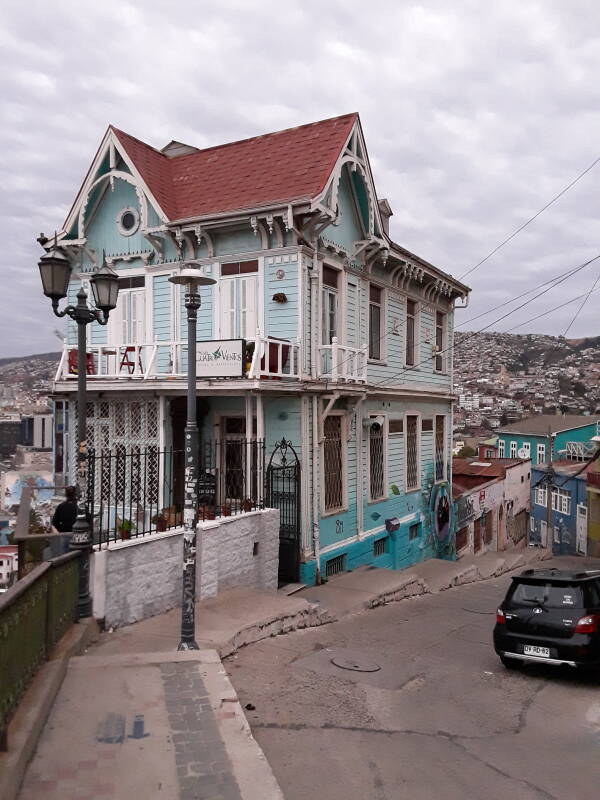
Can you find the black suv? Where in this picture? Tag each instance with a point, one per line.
(550, 616)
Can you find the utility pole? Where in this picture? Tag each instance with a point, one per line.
(549, 486)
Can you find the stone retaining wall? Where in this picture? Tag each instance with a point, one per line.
(139, 578)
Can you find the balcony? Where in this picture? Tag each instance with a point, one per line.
(337, 362)
(264, 358)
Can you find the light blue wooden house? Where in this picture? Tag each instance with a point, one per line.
(341, 339)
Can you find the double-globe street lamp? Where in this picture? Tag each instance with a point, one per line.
(55, 271)
(191, 278)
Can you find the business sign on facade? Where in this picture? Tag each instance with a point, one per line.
(222, 358)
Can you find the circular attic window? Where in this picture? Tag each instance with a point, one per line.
(128, 221)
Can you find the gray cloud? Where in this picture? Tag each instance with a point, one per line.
(475, 116)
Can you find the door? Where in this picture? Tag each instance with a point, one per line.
(238, 303)
(283, 492)
(581, 531)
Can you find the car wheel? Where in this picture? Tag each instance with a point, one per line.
(511, 663)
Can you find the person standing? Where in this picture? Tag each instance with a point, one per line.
(63, 520)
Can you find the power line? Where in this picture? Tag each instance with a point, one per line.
(529, 221)
(524, 294)
(494, 322)
(549, 311)
(583, 302)
(556, 280)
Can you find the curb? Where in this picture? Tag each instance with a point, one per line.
(414, 586)
(25, 728)
(311, 617)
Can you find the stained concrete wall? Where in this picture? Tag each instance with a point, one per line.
(139, 578)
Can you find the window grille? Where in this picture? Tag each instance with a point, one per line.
(440, 450)
(335, 565)
(333, 467)
(412, 452)
(380, 546)
(411, 318)
(376, 463)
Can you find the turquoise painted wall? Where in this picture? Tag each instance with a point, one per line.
(281, 319)
(583, 434)
(101, 226)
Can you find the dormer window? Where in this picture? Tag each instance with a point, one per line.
(128, 221)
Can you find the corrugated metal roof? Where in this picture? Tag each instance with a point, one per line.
(539, 425)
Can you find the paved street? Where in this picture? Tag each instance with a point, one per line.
(440, 718)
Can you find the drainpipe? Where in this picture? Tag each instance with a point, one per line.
(360, 500)
(315, 485)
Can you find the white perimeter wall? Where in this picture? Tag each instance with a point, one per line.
(139, 578)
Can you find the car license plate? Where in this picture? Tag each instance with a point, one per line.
(532, 650)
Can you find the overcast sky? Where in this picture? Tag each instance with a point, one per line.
(475, 115)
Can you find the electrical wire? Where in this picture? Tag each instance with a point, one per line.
(529, 221)
(555, 281)
(583, 302)
(494, 322)
(524, 294)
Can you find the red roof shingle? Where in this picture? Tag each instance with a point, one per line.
(266, 170)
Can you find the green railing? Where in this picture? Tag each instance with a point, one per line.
(34, 614)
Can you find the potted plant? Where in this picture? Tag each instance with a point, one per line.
(125, 527)
(160, 521)
(248, 355)
(207, 512)
(247, 505)
(225, 510)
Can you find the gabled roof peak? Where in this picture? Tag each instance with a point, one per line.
(269, 169)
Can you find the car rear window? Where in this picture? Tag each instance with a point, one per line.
(550, 595)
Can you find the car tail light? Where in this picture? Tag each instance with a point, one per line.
(588, 624)
(500, 618)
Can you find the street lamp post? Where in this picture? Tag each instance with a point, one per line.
(192, 279)
(55, 271)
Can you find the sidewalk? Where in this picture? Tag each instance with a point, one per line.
(369, 587)
(153, 725)
(134, 717)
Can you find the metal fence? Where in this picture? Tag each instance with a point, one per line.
(139, 492)
(34, 615)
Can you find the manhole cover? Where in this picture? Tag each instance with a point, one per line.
(355, 665)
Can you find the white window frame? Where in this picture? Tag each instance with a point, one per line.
(541, 453)
(344, 459)
(385, 457)
(527, 448)
(417, 334)
(417, 487)
(441, 353)
(382, 325)
(541, 497)
(561, 501)
(513, 449)
(501, 447)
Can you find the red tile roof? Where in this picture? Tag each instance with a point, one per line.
(272, 169)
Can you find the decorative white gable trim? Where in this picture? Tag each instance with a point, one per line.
(112, 147)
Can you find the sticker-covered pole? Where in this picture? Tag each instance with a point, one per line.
(190, 448)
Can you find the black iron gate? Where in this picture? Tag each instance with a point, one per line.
(283, 492)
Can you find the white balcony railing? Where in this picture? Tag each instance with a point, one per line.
(266, 359)
(337, 362)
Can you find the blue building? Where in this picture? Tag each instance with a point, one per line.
(569, 508)
(340, 339)
(571, 436)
